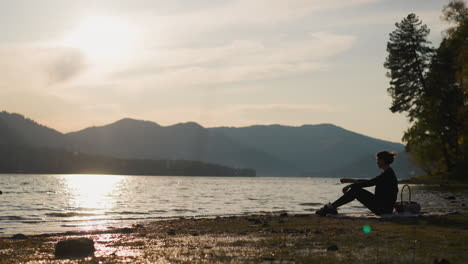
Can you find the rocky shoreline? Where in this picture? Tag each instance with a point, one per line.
(258, 239)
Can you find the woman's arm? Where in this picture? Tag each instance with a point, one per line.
(348, 180)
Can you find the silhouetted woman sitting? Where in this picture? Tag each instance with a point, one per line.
(386, 189)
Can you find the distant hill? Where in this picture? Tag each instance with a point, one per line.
(27, 147)
(8, 135)
(130, 138)
(323, 150)
(29, 132)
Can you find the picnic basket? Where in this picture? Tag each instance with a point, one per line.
(409, 206)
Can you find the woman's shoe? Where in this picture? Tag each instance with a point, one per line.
(327, 209)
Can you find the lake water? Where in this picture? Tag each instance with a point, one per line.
(33, 204)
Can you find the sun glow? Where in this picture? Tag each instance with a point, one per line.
(93, 191)
(103, 38)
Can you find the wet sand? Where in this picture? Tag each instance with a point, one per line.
(261, 239)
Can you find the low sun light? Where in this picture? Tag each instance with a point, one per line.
(103, 37)
(93, 191)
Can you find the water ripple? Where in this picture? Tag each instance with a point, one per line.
(57, 203)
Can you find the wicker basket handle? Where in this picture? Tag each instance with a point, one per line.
(401, 194)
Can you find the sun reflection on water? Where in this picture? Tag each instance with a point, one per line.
(95, 192)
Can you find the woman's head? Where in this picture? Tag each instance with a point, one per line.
(385, 157)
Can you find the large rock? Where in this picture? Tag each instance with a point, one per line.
(332, 248)
(74, 248)
(19, 236)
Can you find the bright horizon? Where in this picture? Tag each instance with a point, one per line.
(233, 63)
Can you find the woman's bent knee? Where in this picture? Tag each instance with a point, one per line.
(356, 189)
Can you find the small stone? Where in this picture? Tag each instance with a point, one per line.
(195, 234)
(442, 261)
(284, 215)
(138, 225)
(74, 248)
(332, 248)
(19, 236)
(256, 221)
(127, 230)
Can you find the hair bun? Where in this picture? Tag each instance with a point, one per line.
(386, 156)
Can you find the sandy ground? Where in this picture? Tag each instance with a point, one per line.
(262, 239)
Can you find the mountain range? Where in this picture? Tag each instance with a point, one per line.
(323, 150)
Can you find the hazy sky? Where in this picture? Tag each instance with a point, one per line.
(74, 64)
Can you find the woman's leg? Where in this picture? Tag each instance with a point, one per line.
(363, 196)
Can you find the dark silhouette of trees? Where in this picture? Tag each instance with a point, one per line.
(430, 85)
(26, 159)
(408, 61)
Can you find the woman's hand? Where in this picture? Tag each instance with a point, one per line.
(346, 188)
(347, 180)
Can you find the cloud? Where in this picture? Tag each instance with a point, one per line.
(31, 81)
(240, 60)
(165, 62)
(289, 107)
(390, 18)
(29, 67)
(65, 64)
(241, 13)
(268, 11)
(198, 76)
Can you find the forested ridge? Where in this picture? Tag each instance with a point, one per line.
(25, 159)
(322, 150)
(17, 155)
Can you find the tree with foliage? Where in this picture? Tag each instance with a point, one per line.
(408, 64)
(430, 86)
(456, 13)
(454, 53)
